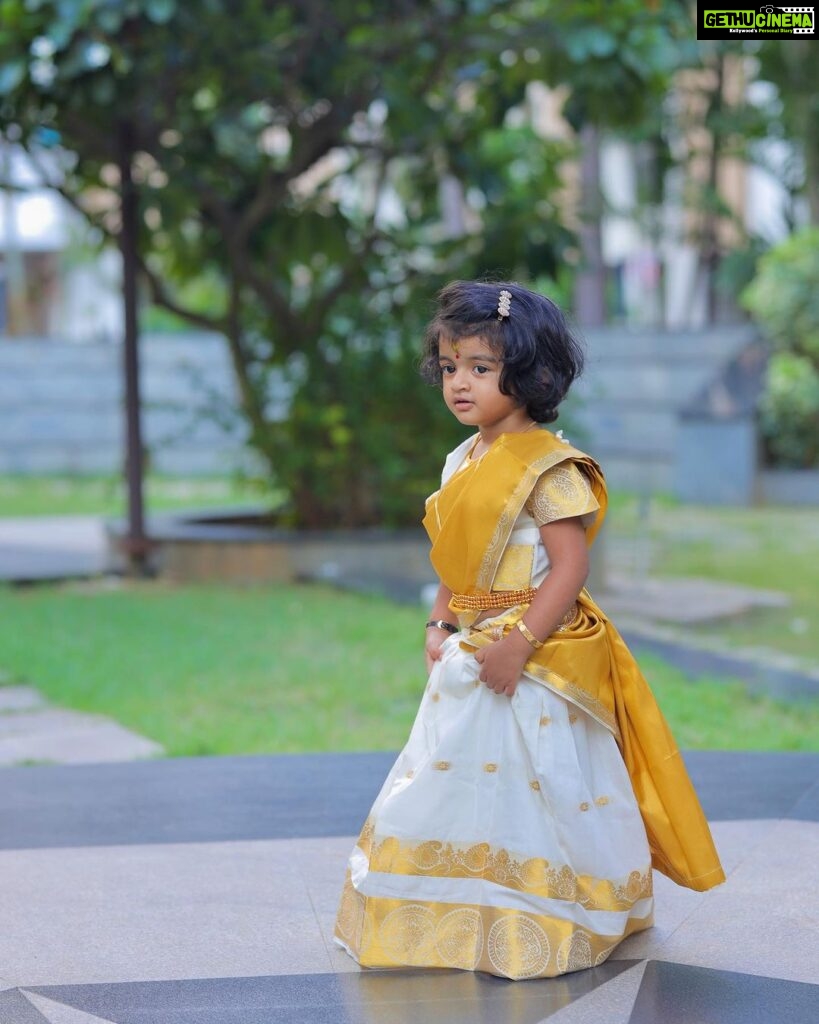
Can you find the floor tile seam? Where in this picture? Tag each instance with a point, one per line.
(752, 847)
(45, 988)
(772, 836)
(811, 786)
(317, 920)
(182, 845)
(640, 964)
(27, 994)
(701, 901)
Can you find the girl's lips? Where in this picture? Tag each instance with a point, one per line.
(462, 403)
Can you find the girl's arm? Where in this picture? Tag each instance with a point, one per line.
(435, 637)
(565, 542)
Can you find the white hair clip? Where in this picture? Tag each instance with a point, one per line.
(504, 301)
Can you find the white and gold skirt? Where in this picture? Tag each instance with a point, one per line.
(506, 837)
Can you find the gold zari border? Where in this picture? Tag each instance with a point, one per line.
(532, 875)
(385, 932)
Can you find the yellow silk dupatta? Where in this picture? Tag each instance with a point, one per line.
(469, 521)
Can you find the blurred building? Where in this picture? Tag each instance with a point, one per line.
(656, 251)
(656, 242)
(54, 280)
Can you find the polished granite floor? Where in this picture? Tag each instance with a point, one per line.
(203, 891)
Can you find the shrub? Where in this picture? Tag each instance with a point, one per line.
(784, 300)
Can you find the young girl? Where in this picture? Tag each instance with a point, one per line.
(516, 832)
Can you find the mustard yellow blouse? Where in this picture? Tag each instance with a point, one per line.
(561, 492)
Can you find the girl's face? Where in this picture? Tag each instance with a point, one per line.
(470, 372)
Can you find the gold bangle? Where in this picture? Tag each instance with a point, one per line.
(530, 636)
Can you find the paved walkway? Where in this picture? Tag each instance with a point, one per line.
(40, 548)
(32, 731)
(203, 891)
(50, 548)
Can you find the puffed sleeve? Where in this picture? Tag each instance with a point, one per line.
(561, 492)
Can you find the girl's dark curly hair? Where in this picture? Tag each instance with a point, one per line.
(540, 354)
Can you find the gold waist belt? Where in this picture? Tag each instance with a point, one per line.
(493, 599)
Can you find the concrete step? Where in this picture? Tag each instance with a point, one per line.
(713, 345)
(656, 381)
(634, 387)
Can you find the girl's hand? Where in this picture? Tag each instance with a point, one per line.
(502, 662)
(432, 647)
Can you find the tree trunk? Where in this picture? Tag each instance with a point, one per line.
(709, 245)
(590, 287)
(135, 543)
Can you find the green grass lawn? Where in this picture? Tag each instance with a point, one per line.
(105, 495)
(218, 670)
(773, 548)
(770, 548)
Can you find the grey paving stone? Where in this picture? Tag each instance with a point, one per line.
(771, 936)
(760, 676)
(196, 799)
(611, 1003)
(806, 807)
(673, 906)
(63, 736)
(739, 785)
(677, 994)
(59, 1013)
(765, 920)
(19, 698)
(737, 841)
(16, 1009)
(300, 795)
(39, 548)
(683, 600)
(227, 928)
(124, 913)
(379, 997)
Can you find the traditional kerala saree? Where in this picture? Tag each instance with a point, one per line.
(517, 835)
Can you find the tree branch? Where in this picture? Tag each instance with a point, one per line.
(161, 297)
(320, 307)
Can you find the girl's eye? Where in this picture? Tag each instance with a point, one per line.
(481, 369)
(447, 368)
